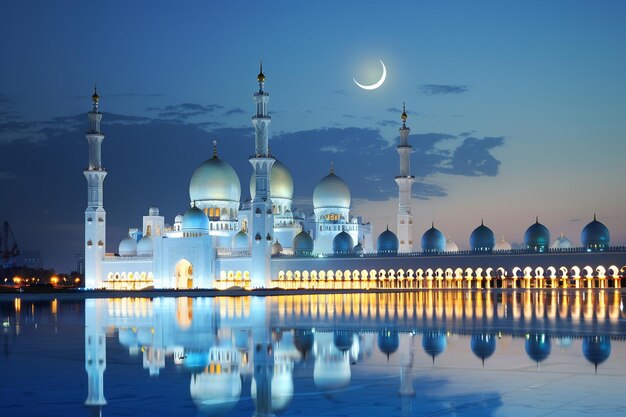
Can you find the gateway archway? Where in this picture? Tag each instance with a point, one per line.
(183, 275)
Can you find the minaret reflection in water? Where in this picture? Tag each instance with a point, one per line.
(226, 343)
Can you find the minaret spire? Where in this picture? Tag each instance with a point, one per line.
(262, 220)
(95, 215)
(405, 182)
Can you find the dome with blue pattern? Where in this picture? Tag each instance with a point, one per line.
(343, 243)
(433, 241)
(388, 341)
(483, 345)
(595, 236)
(195, 220)
(482, 239)
(387, 243)
(434, 343)
(303, 244)
(537, 237)
(538, 347)
(596, 349)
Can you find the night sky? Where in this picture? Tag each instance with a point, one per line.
(516, 109)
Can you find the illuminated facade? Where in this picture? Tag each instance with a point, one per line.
(265, 242)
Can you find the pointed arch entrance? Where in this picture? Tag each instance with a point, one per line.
(183, 274)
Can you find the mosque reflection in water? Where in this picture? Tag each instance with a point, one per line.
(224, 341)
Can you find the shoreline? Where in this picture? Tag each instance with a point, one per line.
(271, 292)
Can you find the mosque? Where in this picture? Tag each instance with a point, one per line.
(222, 241)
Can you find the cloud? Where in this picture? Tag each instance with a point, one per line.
(332, 149)
(347, 116)
(473, 157)
(235, 110)
(341, 92)
(398, 110)
(388, 123)
(437, 89)
(5, 176)
(184, 111)
(117, 95)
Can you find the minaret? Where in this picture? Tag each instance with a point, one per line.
(95, 216)
(262, 218)
(405, 181)
(95, 351)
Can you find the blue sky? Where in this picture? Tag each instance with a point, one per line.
(517, 108)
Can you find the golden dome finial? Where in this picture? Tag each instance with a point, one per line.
(261, 76)
(404, 115)
(214, 149)
(95, 98)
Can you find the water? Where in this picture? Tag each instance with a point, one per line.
(432, 353)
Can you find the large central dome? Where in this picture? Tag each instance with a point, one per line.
(331, 192)
(215, 180)
(281, 182)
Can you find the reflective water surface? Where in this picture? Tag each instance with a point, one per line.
(452, 352)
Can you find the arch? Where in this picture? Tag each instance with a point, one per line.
(373, 274)
(382, 274)
(410, 274)
(613, 271)
(528, 272)
(322, 275)
(588, 271)
(419, 273)
(488, 273)
(469, 273)
(458, 273)
(281, 275)
(575, 272)
(391, 274)
(305, 275)
(539, 272)
(517, 272)
(449, 273)
(429, 273)
(600, 271)
(183, 273)
(314, 275)
(439, 273)
(400, 274)
(551, 272)
(289, 275)
(479, 273)
(297, 275)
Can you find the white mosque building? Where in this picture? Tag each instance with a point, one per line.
(219, 226)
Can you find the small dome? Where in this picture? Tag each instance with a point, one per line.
(483, 345)
(342, 339)
(482, 239)
(299, 214)
(538, 347)
(596, 349)
(561, 242)
(215, 180)
(331, 192)
(343, 243)
(595, 236)
(433, 240)
(537, 237)
(303, 340)
(281, 182)
(387, 243)
(303, 244)
(358, 248)
(195, 220)
(215, 394)
(388, 341)
(451, 246)
(145, 246)
(434, 344)
(128, 247)
(502, 245)
(178, 218)
(277, 248)
(153, 211)
(240, 240)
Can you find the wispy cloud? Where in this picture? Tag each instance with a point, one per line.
(233, 111)
(5, 176)
(437, 89)
(341, 92)
(184, 111)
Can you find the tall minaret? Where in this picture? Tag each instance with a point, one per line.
(405, 181)
(262, 215)
(95, 352)
(95, 216)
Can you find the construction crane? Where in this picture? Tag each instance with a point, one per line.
(8, 244)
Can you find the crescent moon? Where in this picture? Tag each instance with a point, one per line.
(375, 85)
